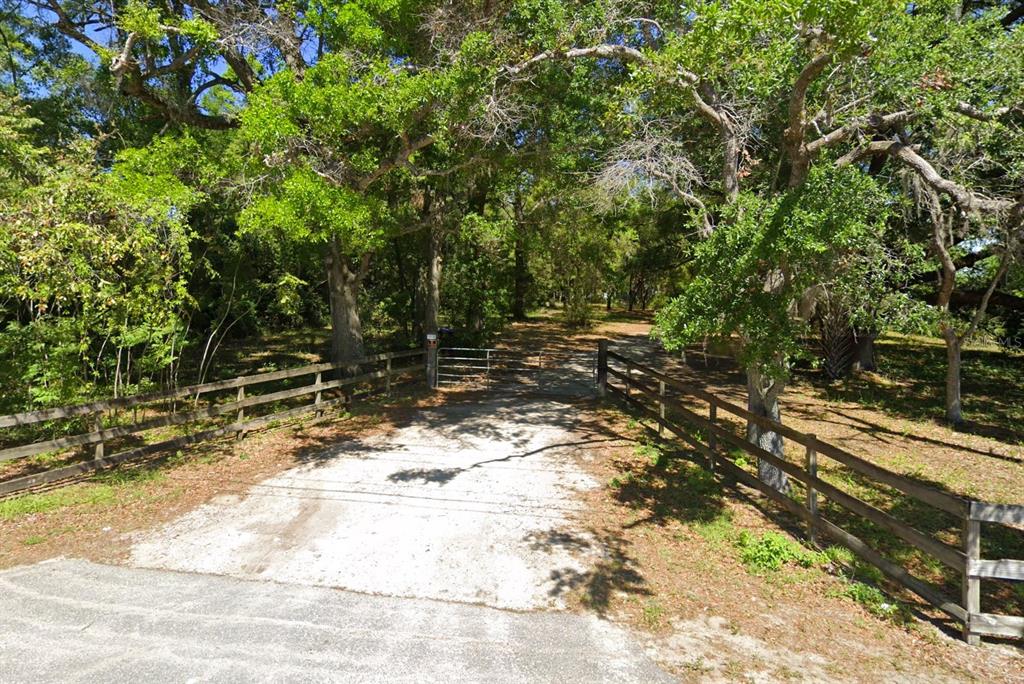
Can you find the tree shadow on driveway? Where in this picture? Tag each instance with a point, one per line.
(614, 571)
(443, 476)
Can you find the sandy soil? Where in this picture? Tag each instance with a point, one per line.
(507, 501)
(673, 570)
(469, 501)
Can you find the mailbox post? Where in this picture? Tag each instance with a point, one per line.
(432, 360)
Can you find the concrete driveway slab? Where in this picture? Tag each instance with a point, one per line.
(75, 621)
(468, 502)
(436, 553)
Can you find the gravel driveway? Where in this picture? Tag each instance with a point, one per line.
(434, 553)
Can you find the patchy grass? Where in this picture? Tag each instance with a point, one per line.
(87, 494)
(768, 552)
(911, 386)
(720, 580)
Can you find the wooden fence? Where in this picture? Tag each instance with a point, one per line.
(168, 415)
(637, 380)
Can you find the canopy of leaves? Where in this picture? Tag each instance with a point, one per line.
(754, 269)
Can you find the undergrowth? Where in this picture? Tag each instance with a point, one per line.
(771, 551)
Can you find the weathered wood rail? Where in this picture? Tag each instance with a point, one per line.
(638, 382)
(99, 436)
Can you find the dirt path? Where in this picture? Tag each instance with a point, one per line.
(445, 548)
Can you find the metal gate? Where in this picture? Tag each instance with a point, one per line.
(549, 371)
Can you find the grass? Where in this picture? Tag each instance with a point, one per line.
(682, 491)
(771, 550)
(87, 494)
(651, 452)
(104, 489)
(718, 531)
(893, 418)
(773, 553)
(653, 614)
(913, 385)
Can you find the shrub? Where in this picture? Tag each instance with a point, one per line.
(771, 551)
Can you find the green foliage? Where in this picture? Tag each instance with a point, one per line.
(770, 551)
(717, 531)
(755, 267)
(94, 264)
(877, 603)
(193, 194)
(82, 495)
(653, 614)
(651, 452)
(139, 18)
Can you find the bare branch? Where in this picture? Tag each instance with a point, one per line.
(605, 51)
(876, 121)
(968, 201)
(635, 165)
(979, 313)
(970, 111)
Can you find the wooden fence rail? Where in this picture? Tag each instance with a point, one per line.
(638, 381)
(100, 435)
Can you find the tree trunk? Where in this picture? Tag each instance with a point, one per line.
(954, 412)
(346, 328)
(521, 274)
(762, 402)
(409, 288)
(865, 357)
(432, 305)
(521, 281)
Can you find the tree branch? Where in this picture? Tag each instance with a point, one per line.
(979, 313)
(796, 132)
(967, 200)
(400, 158)
(969, 110)
(690, 199)
(876, 121)
(605, 51)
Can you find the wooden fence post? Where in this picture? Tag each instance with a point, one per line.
(387, 378)
(241, 412)
(661, 408)
(812, 493)
(319, 394)
(602, 367)
(712, 439)
(971, 585)
(712, 416)
(98, 427)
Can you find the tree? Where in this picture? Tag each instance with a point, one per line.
(766, 91)
(94, 269)
(331, 99)
(757, 267)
